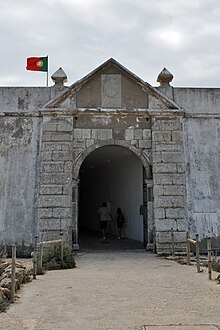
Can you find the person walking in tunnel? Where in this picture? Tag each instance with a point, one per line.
(104, 216)
(120, 219)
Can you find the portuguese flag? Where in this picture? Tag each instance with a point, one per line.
(37, 64)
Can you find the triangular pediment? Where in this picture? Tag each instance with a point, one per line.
(111, 86)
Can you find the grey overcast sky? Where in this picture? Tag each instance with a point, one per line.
(143, 35)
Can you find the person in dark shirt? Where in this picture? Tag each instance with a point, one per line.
(120, 219)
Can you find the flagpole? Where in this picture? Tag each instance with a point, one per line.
(47, 70)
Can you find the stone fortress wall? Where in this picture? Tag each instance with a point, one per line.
(43, 147)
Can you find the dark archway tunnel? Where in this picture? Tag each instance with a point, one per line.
(113, 174)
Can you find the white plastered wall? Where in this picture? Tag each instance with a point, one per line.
(203, 172)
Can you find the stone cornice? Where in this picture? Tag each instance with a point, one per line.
(202, 115)
(111, 112)
(94, 111)
(21, 114)
(166, 113)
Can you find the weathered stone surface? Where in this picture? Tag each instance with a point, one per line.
(165, 237)
(76, 153)
(105, 134)
(168, 201)
(167, 179)
(134, 143)
(163, 225)
(86, 133)
(79, 144)
(178, 179)
(44, 213)
(19, 156)
(161, 136)
(23, 99)
(164, 178)
(110, 90)
(157, 158)
(53, 224)
(129, 134)
(182, 224)
(77, 133)
(177, 137)
(62, 212)
(68, 166)
(55, 178)
(67, 189)
(101, 134)
(165, 168)
(64, 155)
(52, 167)
(47, 155)
(167, 224)
(57, 146)
(165, 248)
(89, 142)
(181, 168)
(54, 201)
(172, 190)
(138, 134)
(144, 144)
(51, 190)
(175, 213)
(167, 124)
(64, 127)
(172, 157)
(159, 213)
(158, 190)
(56, 136)
(168, 147)
(50, 127)
(147, 134)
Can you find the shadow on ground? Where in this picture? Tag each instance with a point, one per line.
(91, 240)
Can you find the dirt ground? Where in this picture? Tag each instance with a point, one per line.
(117, 290)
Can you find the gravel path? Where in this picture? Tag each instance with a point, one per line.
(120, 291)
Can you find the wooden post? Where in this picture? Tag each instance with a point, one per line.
(209, 258)
(35, 259)
(197, 253)
(187, 249)
(13, 267)
(40, 257)
(172, 242)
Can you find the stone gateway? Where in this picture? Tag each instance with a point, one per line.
(153, 151)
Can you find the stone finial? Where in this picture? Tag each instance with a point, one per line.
(59, 77)
(165, 77)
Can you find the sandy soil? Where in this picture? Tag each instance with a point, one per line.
(118, 290)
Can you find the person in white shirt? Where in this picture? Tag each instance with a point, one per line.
(104, 217)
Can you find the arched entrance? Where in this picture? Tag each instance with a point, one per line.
(114, 174)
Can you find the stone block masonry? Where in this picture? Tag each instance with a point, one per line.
(47, 132)
(136, 139)
(63, 149)
(55, 188)
(169, 183)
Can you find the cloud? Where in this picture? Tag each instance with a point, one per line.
(144, 35)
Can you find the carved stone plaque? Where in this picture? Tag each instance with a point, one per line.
(111, 91)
